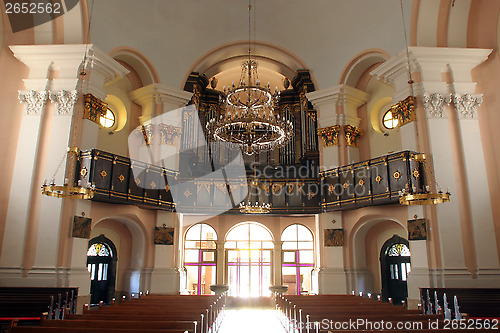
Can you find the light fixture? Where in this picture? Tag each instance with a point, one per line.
(405, 112)
(67, 190)
(249, 118)
(250, 207)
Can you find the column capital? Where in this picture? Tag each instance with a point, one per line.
(34, 100)
(171, 98)
(67, 59)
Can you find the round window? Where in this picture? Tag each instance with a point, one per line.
(107, 120)
(389, 121)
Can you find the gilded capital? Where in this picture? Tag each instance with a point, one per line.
(352, 134)
(404, 110)
(330, 135)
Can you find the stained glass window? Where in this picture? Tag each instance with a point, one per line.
(99, 249)
(398, 250)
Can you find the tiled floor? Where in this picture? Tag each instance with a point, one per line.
(251, 321)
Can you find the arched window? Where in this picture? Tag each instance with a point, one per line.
(200, 258)
(297, 259)
(249, 248)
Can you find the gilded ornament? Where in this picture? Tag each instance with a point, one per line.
(330, 135)
(84, 172)
(378, 179)
(397, 175)
(352, 135)
(103, 173)
(121, 178)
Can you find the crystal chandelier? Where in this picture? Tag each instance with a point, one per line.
(249, 118)
(249, 208)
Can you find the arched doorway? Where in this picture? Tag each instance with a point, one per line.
(249, 250)
(101, 263)
(395, 266)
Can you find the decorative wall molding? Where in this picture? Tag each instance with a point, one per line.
(435, 103)
(65, 101)
(352, 134)
(34, 100)
(330, 135)
(466, 104)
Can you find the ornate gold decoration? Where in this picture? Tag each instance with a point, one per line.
(397, 175)
(290, 188)
(310, 195)
(330, 135)
(331, 188)
(352, 134)
(345, 186)
(277, 187)
(103, 173)
(221, 186)
(93, 108)
(84, 171)
(168, 133)
(361, 182)
(187, 193)
(404, 111)
(312, 115)
(153, 185)
(378, 179)
(121, 178)
(266, 188)
(167, 188)
(416, 173)
(68, 192)
(203, 184)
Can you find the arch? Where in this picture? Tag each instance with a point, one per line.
(139, 62)
(200, 223)
(228, 56)
(292, 224)
(249, 222)
(358, 64)
(366, 268)
(138, 251)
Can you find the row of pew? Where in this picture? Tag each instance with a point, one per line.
(333, 313)
(147, 314)
(29, 304)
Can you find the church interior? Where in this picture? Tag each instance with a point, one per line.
(310, 147)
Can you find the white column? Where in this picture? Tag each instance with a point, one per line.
(352, 99)
(47, 222)
(325, 102)
(278, 245)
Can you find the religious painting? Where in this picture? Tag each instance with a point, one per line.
(417, 229)
(81, 227)
(334, 237)
(164, 236)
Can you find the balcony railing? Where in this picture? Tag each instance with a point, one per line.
(375, 182)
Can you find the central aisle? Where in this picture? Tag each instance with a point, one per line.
(251, 321)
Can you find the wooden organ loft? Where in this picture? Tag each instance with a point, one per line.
(293, 105)
(288, 178)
